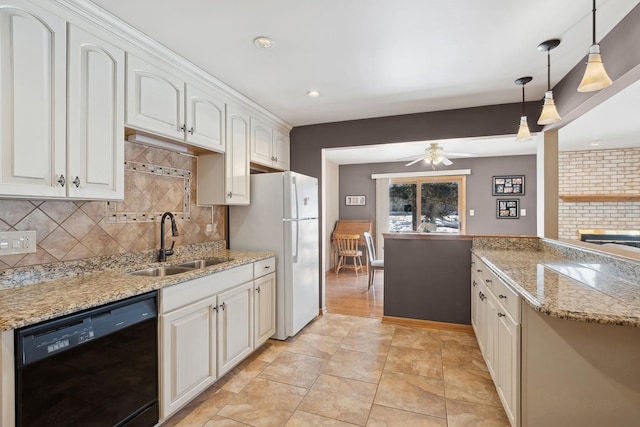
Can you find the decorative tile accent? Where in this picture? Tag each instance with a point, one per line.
(156, 181)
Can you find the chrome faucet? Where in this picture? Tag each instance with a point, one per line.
(164, 253)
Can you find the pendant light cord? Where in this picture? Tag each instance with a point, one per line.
(523, 98)
(594, 22)
(549, 69)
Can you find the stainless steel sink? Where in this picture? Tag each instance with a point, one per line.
(162, 271)
(202, 263)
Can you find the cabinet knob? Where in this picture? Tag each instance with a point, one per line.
(502, 296)
(183, 128)
(474, 283)
(76, 182)
(62, 181)
(229, 194)
(488, 280)
(267, 267)
(481, 295)
(223, 305)
(191, 130)
(258, 289)
(501, 314)
(478, 270)
(216, 308)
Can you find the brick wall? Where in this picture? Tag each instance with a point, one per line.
(615, 171)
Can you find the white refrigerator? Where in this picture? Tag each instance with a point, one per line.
(283, 217)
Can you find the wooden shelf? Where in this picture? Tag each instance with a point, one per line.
(584, 198)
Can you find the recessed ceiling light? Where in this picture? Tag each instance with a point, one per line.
(595, 142)
(313, 94)
(263, 42)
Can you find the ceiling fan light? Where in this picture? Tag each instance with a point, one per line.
(437, 160)
(549, 111)
(523, 130)
(595, 77)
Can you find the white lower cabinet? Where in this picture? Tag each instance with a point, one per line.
(188, 353)
(265, 308)
(235, 326)
(206, 327)
(495, 317)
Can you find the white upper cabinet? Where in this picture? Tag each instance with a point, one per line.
(32, 101)
(155, 99)
(161, 103)
(205, 119)
(95, 117)
(269, 146)
(237, 157)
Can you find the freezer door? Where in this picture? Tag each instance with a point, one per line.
(301, 196)
(301, 279)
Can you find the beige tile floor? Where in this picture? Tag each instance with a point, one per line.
(345, 371)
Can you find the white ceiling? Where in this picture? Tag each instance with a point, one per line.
(372, 58)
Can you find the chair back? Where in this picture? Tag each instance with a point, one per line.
(370, 249)
(347, 243)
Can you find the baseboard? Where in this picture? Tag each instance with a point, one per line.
(322, 311)
(427, 324)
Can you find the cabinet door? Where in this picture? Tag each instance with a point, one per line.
(95, 105)
(281, 145)
(235, 326)
(237, 156)
(265, 308)
(188, 356)
(479, 296)
(155, 99)
(475, 302)
(32, 101)
(491, 319)
(205, 119)
(261, 143)
(508, 363)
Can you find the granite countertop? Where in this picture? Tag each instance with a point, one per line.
(568, 282)
(25, 304)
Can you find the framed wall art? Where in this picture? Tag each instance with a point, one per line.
(509, 184)
(355, 200)
(508, 208)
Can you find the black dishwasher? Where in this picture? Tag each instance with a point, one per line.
(94, 368)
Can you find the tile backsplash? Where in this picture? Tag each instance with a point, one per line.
(602, 172)
(156, 180)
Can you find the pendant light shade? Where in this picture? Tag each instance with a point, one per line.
(523, 130)
(549, 111)
(595, 76)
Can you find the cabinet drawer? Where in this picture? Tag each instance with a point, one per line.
(265, 266)
(508, 298)
(188, 292)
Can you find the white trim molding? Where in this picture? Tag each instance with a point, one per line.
(419, 174)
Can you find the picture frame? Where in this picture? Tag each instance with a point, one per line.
(508, 185)
(508, 208)
(355, 200)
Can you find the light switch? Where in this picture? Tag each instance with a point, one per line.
(472, 212)
(523, 212)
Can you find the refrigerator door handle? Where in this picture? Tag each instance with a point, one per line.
(294, 198)
(295, 241)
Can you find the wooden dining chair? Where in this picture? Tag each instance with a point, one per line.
(347, 247)
(374, 264)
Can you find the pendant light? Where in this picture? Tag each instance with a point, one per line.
(595, 77)
(523, 131)
(549, 112)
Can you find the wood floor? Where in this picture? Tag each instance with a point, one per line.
(347, 294)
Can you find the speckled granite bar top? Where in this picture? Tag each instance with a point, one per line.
(566, 281)
(79, 290)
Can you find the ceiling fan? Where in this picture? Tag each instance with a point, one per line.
(434, 155)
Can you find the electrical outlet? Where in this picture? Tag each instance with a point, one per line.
(472, 212)
(17, 242)
(523, 212)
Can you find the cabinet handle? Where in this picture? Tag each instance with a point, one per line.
(183, 128)
(502, 296)
(267, 267)
(223, 306)
(501, 315)
(478, 270)
(216, 308)
(191, 130)
(62, 181)
(258, 289)
(76, 182)
(481, 295)
(229, 194)
(488, 280)
(474, 283)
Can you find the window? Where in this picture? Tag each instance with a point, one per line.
(416, 202)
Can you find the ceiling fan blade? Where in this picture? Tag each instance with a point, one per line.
(449, 153)
(419, 156)
(415, 161)
(446, 161)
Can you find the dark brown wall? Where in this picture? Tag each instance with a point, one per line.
(356, 180)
